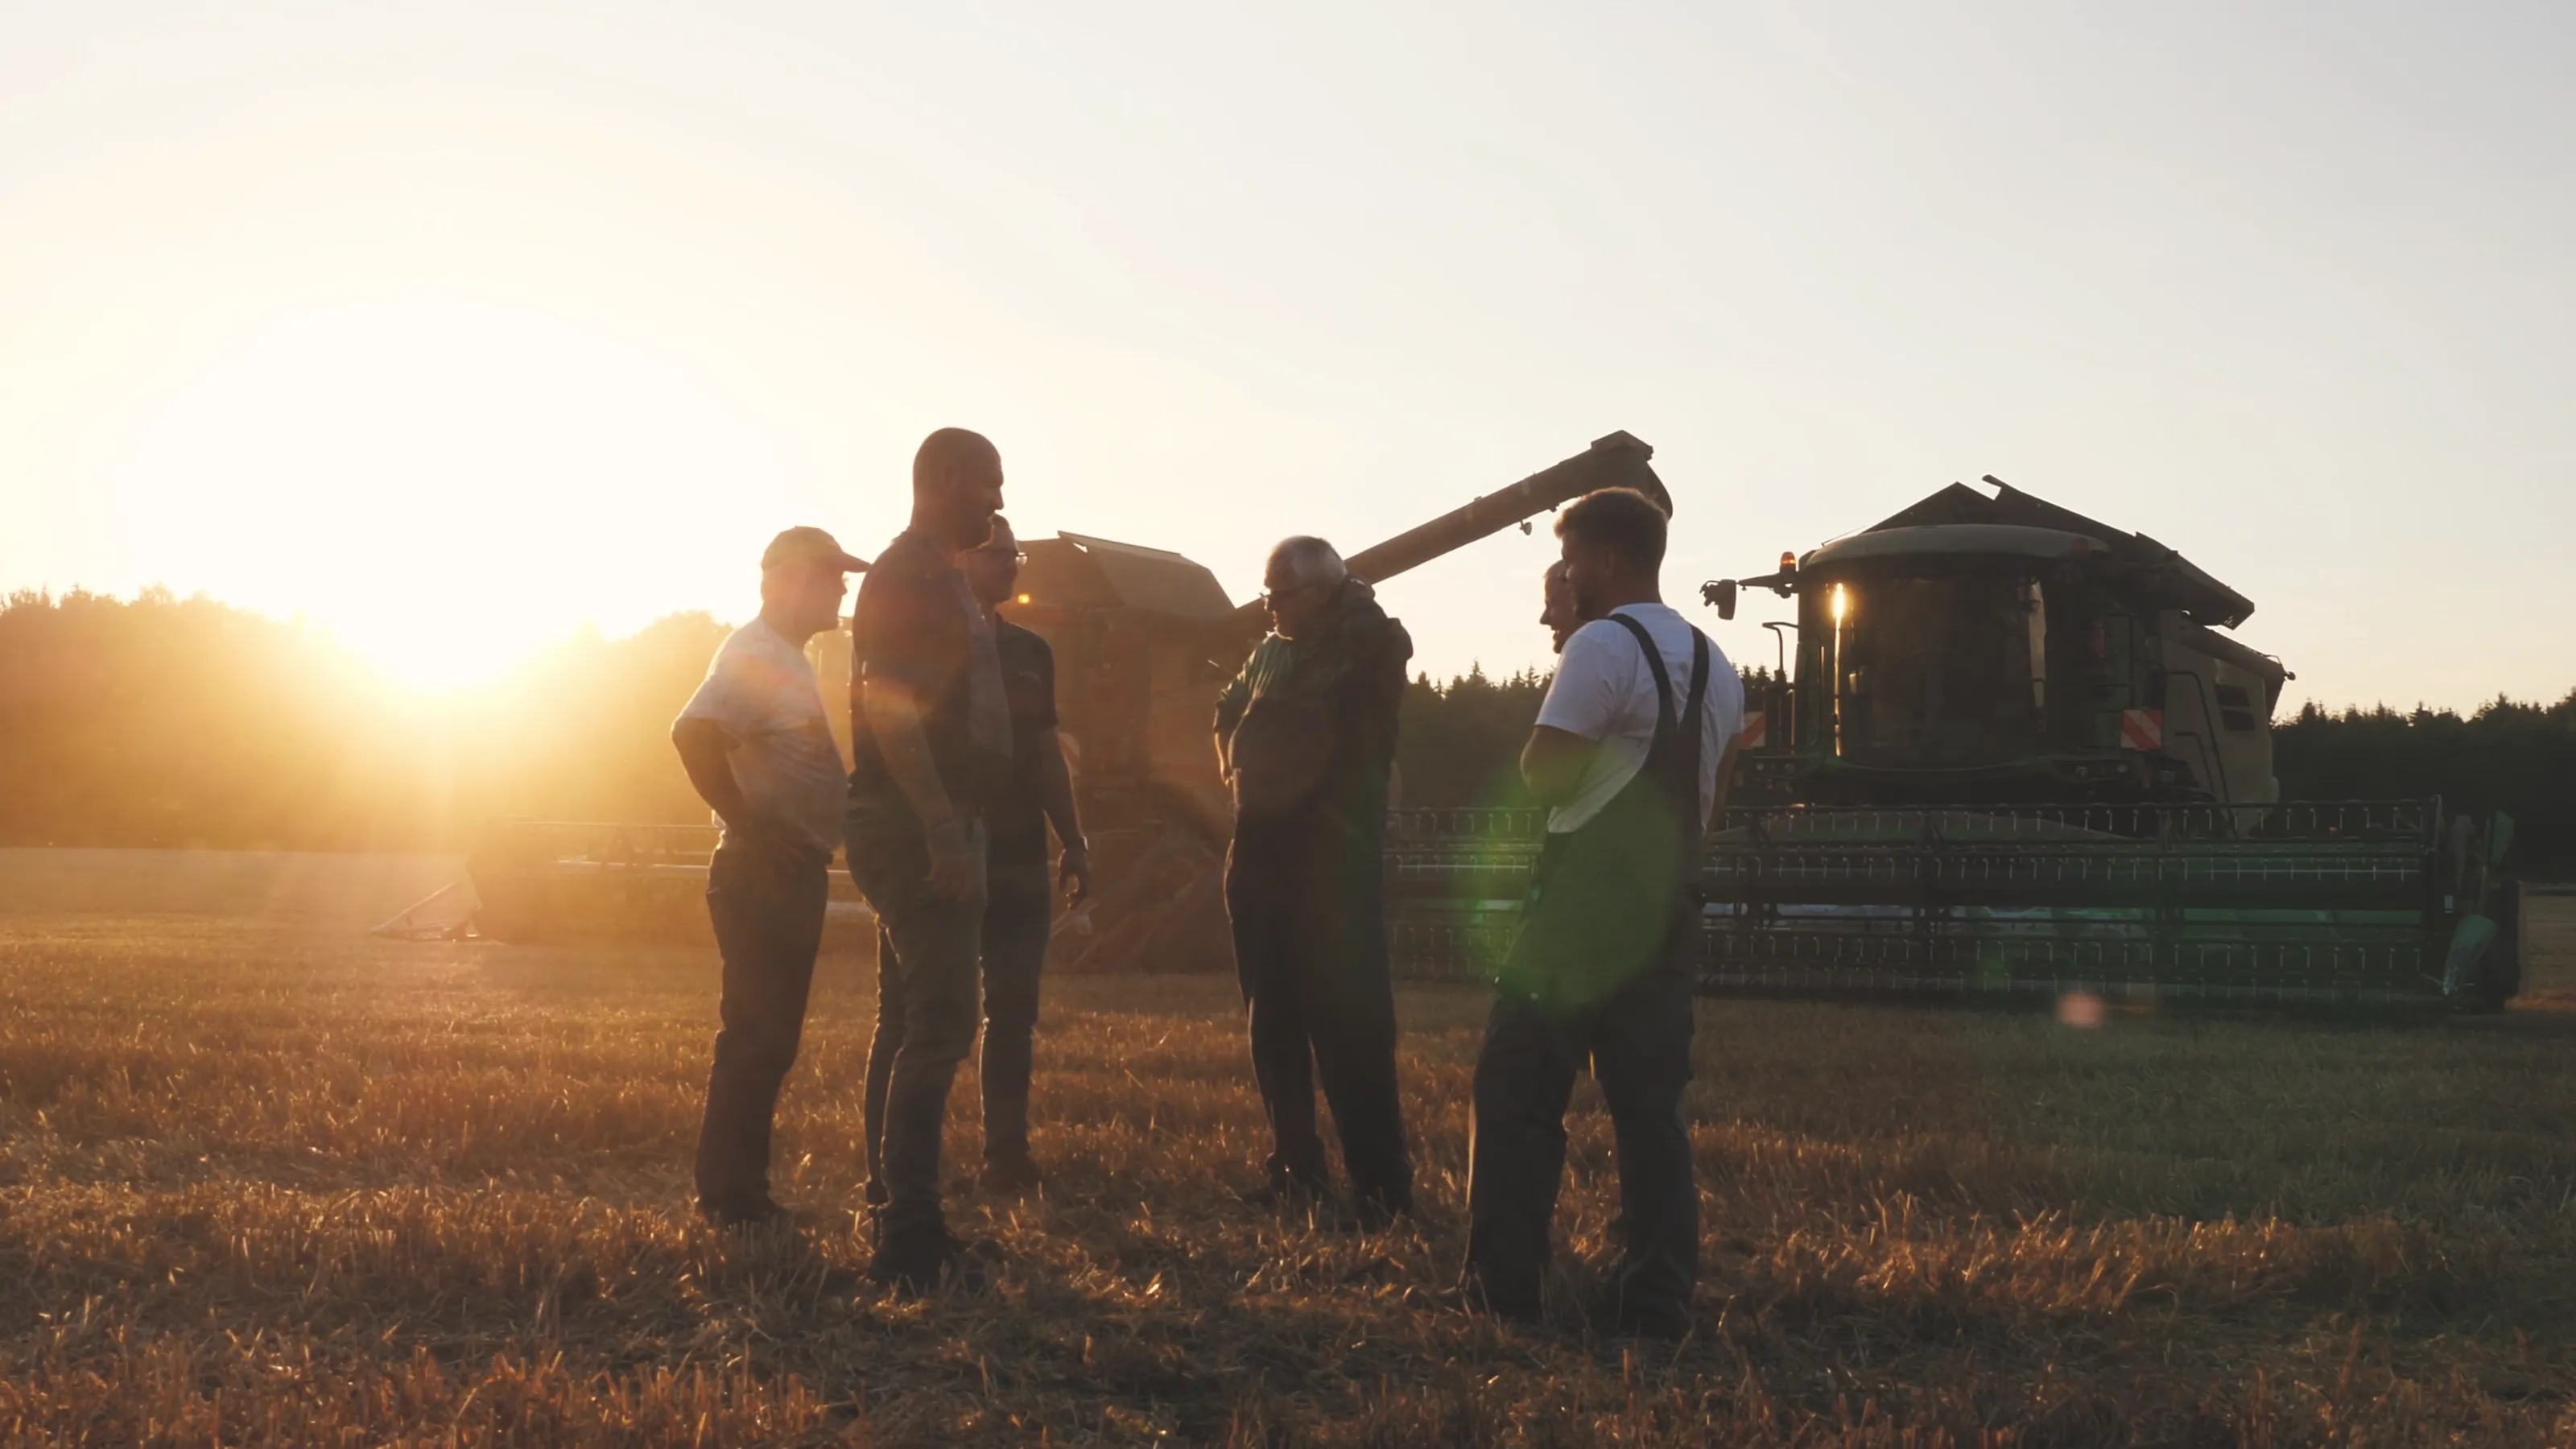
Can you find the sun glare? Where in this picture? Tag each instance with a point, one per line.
(446, 486)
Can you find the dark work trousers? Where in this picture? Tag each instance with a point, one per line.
(1637, 1044)
(765, 897)
(1016, 921)
(928, 948)
(1307, 900)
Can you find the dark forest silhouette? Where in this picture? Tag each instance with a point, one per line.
(170, 722)
(160, 721)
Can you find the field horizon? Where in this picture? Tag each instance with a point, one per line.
(264, 1179)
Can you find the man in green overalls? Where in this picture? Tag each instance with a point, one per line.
(1629, 753)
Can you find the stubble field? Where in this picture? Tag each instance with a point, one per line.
(264, 1179)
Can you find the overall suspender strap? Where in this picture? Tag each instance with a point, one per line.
(1674, 762)
(1693, 739)
(1663, 680)
(1664, 721)
(1699, 685)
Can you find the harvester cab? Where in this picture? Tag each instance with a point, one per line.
(1976, 648)
(2016, 755)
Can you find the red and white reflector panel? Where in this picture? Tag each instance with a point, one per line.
(1756, 731)
(2142, 729)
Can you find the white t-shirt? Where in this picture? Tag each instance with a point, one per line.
(1604, 692)
(761, 691)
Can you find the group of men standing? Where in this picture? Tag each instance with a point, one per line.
(958, 775)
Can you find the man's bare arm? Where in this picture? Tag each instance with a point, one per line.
(703, 746)
(1055, 788)
(1055, 796)
(1553, 762)
(1229, 713)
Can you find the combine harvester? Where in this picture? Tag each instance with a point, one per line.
(2016, 757)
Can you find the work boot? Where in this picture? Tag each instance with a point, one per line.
(1011, 1175)
(917, 1262)
(1470, 1298)
(1288, 1192)
(745, 1213)
(1618, 1314)
(1375, 1212)
(874, 1222)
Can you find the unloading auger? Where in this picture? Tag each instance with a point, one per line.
(2016, 757)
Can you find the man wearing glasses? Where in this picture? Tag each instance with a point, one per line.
(1034, 791)
(1306, 737)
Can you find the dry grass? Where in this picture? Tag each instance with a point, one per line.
(263, 1179)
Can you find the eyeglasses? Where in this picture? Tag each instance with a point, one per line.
(1270, 597)
(1014, 555)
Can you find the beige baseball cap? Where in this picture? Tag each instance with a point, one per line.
(810, 545)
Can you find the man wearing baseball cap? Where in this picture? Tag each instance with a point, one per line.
(758, 747)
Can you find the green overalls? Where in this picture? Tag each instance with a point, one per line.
(1600, 975)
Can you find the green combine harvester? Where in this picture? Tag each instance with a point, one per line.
(2019, 754)
(2016, 757)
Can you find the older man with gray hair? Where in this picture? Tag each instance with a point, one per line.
(1306, 737)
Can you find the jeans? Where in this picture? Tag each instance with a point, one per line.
(765, 897)
(928, 947)
(1307, 903)
(1637, 1044)
(1016, 920)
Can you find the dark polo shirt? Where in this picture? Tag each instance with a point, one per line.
(1016, 814)
(917, 623)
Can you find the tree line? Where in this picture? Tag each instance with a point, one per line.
(170, 722)
(160, 721)
(2505, 755)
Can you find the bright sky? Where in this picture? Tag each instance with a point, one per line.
(452, 326)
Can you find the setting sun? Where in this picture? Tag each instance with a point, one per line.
(442, 485)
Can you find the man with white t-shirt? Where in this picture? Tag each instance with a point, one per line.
(1630, 753)
(759, 749)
